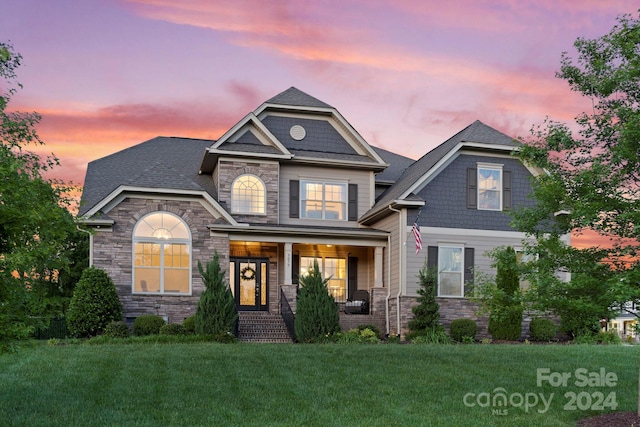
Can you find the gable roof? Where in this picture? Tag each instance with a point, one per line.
(160, 163)
(397, 165)
(476, 136)
(294, 96)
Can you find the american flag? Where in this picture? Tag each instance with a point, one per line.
(416, 233)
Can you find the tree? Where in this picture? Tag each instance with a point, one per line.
(593, 180)
(94, 305)
(316, 313)
(426, 315)
(505, 317)
(34, 221)
(216, 311)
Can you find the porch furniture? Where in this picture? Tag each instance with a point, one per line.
(358, 303)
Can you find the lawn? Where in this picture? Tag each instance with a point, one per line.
(312, 385)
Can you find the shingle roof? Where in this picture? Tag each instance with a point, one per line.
(296, 97)
(162, 162)
(397, 165)
(477, 132)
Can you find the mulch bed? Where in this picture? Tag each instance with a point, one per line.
(615, 419)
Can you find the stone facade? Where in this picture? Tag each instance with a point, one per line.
(228, 171)
(113, 252)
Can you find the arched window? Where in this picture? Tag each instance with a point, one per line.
(161, 255)
(248, 195)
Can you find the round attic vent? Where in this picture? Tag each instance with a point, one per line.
(297, 132)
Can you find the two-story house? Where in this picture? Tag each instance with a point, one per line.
(290, 183)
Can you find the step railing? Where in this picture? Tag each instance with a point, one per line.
(287, 315)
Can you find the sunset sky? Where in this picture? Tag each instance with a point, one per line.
(108, 74)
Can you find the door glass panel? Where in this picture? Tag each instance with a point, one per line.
(263, 283)
(247, 283)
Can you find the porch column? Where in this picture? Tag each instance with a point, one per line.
(377, 277)
(288, 254)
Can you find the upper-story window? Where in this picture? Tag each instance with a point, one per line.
(323, 200)
(161, 255)
(248, 195)
(490, 187)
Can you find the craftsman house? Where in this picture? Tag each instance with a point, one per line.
(290, 183)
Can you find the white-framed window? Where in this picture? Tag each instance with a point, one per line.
(333, 268)
(450, 271)
(248, 195)
(323, 200)
(489, 187)
(161, 255)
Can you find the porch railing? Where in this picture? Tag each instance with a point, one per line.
(287, 315)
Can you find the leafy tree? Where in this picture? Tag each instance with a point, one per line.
(317, 313)
(592, 181)
(216, 312)
(94, 305)
(34, 221)
(505, 318)
(426, 315)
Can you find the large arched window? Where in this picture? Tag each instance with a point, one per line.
(248, 195)
(161, 255)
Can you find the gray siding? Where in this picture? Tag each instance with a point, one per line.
(391, 257)
(360, 177)
(446, 196)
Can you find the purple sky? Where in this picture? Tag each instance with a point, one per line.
(107, 74)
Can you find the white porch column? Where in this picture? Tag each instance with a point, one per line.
(288, 255)
(377, 278)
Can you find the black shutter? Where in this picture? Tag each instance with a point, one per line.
(472, 188)
(353, 202)
(432, 256)
(506, 190)
(352, 277)
(294, 199)
(468, 265)
(295, 269)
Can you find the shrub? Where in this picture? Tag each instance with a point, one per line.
(148, 325)
(172, 329)
(434, 336)
(94, 304)
(372, 328)
(216, 311)
(317, 314)
(463, 328)
(426, 315)
(542, 329)
(224, 338)
(118, 329)
(189, 325)
(505, 319)
(609, 337)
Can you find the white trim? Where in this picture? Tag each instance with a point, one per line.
(472, 232)
(252, 119)
(490, 167)
(451, 246)
(444, 160)
(116, 196)
(264, 196)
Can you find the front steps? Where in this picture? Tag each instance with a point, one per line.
(262, 327)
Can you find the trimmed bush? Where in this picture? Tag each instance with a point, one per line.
(148, 325)
(426, 315)
(463, 328)
(373, 328)
(216, 312)
(317, 313)
(189, 325)
(94, 304)
(117, 329)
(505, 319)
(172, 329)
(542, 329)
(432, 336)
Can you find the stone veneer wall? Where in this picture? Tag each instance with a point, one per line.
(112, 251)
(376, 314)
(268, 172)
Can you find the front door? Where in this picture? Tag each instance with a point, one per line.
(249, 279)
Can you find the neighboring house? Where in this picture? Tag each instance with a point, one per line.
(291, 182)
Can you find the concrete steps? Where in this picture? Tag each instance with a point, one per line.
(262, 327)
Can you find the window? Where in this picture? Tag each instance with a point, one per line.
(490, 187)
(161, 255)
(248, 195)
(450, 271)
(321, 200)
(333, 268)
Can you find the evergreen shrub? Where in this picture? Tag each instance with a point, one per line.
(463, 328)
(542, 329)
(172, 329)
(189, 325)
(216, 312)
(117, 329)
(317, 313)
(149, 324)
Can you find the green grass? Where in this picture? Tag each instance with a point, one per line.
(296, 385)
